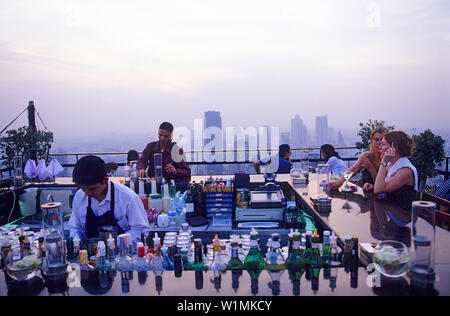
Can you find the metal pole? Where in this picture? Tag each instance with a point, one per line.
(31, 114)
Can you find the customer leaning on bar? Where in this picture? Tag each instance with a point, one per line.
(103, 203)
(397, 177)
(368, 162)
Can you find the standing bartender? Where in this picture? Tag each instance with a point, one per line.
(100, 202)
(174, 163)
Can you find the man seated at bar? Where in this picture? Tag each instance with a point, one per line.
(284, 165)
(397, 177)
(100, 202)
(174, 162)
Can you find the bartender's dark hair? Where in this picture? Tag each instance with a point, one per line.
(284, 149)
(166, 126)
(89, 170)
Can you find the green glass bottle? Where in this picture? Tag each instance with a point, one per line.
(316, 259)
(235, 263)
(296, 259)
(326, 248)
(254, 260)
(308, 249)
(347, 253)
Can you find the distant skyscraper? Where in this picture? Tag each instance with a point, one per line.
(299, 133)
(213, 119)
(321, 130)
(340, 139)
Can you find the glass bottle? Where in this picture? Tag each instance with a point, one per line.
(103, 263)
(76, 247)
(172, 189)
(85, 267)
(275, 264)
(198, 256)
(326, 248)
(254, 260)
(316, 259)
(157, 261)
(347, 253)
(308, 249)
(141, 264)
(187, 264)
(235, 263)
(111, 250)
(296, 259)
(217, 264)
(167, 262)
(123, 262)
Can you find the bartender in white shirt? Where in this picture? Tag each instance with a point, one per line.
(100, 202)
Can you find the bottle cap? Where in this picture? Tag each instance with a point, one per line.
(275, 237)
(316, 234)
(326, 233)
(140, 249)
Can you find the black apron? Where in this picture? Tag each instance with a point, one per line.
(94, 222)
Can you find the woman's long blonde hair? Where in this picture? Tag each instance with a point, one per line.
(381, 130)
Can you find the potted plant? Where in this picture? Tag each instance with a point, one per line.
(429, 152)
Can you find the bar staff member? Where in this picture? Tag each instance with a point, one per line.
(100, 202)
(174, 163)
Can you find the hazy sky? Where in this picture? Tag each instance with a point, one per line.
(125, 66)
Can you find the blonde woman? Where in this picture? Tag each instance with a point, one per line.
(369, 161)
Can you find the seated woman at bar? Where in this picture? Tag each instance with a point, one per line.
(335, 164)
(397, 177)
(368, 162)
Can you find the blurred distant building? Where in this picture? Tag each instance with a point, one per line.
(321, 130)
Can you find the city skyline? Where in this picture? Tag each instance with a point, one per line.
(384, 60)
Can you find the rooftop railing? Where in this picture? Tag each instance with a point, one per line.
(200, 167)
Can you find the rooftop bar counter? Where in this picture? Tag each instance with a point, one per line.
(369, 219)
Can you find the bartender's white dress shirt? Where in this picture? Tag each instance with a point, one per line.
(129, 211)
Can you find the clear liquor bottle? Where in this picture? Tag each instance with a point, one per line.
(217, 264)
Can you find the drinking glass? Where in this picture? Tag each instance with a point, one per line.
(347, 175)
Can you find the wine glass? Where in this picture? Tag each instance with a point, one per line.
(347, 175)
